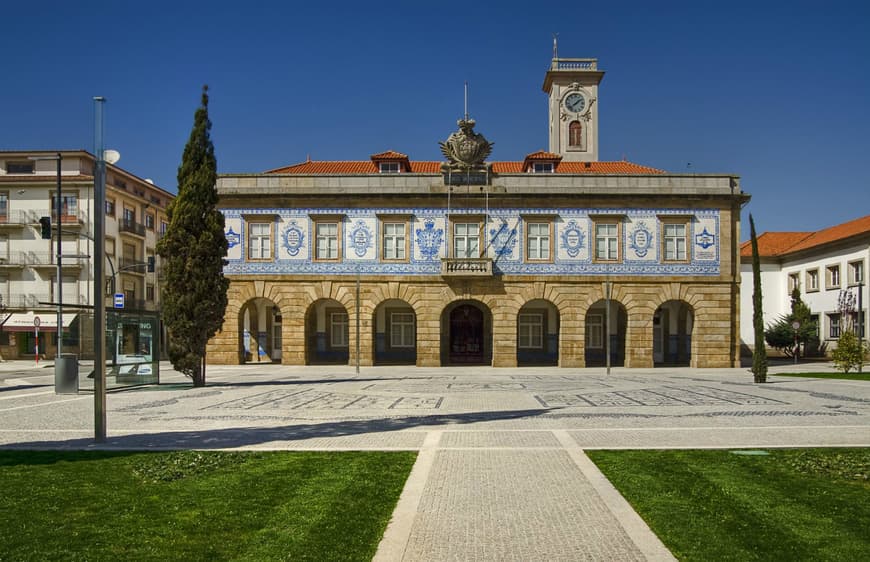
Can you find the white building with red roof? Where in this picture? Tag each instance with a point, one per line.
(822, 264)
(556, 258)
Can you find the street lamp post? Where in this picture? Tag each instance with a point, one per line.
(58, 203)
(796, 326)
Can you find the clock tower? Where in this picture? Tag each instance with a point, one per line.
(572, 85)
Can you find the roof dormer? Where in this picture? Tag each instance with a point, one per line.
(541, 162)
(391, 162)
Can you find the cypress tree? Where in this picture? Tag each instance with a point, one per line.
(192, 252)
(759, 356)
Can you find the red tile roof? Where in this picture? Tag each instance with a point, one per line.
(389, 155)
(773, 244)
(543, 155)
(423, 167)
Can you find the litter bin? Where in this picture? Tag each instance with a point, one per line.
(66, 374)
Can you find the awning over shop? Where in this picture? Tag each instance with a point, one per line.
(24, 321)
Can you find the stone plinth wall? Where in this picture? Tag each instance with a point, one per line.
(714, 341)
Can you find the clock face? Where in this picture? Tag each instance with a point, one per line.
(575, 102)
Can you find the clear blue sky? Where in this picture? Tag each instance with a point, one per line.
(776, 92)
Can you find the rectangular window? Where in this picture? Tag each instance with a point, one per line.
(129, 252)
(163, 227)
(389, 167)
(466, 240)
(833, 326)
(327, 240)
(19, 167)
(594, 331)
(129, 215)
(4, 206)
(675, 243)
(538, 241)
(69, 207)
(394, 241)
(149, 222)
(402, 329)
(260, 241)
(793, 281)
(531, 330)
(110, 207)
(833, 276)
(606, 241)
(338, 329)
(813, 280)
(542, 167)
(149, 293)
(856, 272)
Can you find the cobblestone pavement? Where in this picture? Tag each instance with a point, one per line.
(501, 473)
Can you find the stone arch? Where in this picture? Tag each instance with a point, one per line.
(596, 340)
(538, 333)
(673, 324)
(466, 333)
(327, 332)
(394, 328)
(260, 337)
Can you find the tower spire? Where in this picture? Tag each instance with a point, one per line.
(466, 100)
(555, 46)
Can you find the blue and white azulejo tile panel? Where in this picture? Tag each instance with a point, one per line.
(503, 241)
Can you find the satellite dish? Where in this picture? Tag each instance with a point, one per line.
(149, 180)
(111, 156)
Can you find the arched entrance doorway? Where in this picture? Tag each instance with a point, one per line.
(596, 334)
(327, 333)
(538, 334)
(466, 334)
(395, 341)
(260, 332)
(672, 334)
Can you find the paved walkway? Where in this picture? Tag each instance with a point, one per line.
(501, 472)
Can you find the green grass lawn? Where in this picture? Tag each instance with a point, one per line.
(190, 505)
(852, 376)
(796, 504)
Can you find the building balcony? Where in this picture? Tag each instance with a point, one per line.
(131, 265)
(39, 260)
(466, 267)
(16, 219)
(67, 219)
(13, 260)
(130, 226)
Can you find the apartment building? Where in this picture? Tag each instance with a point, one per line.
(135, 220)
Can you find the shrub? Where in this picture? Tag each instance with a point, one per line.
(849, 353)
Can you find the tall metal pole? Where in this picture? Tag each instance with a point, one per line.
(58, 203)
(357, 320)
(861, 323)
(99, 275)
(607, 334)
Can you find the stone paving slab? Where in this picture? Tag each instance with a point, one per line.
(513, 505)
(500, 473)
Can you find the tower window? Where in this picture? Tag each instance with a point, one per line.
(542, 167)
(389, 168)
(575, 135)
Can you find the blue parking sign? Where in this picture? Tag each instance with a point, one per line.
(119, 300)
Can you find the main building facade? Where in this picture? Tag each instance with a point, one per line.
(556, 259)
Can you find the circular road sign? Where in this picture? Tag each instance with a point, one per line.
(36, 321)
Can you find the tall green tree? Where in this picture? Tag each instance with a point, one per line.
(192, 252)
(759, 356)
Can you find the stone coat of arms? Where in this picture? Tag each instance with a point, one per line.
(464, 148)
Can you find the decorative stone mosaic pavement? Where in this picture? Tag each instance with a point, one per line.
(501, 473)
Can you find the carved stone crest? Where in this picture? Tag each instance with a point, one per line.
(464, 148)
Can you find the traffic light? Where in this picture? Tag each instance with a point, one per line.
(45, 224)
(150, 264)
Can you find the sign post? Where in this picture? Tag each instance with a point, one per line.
(36, 322)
